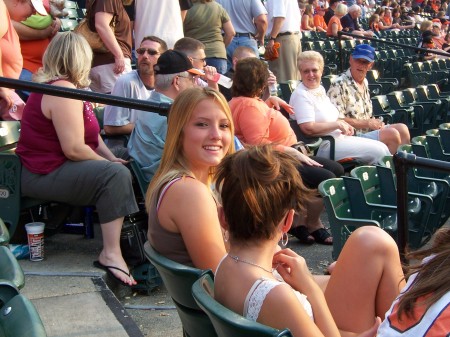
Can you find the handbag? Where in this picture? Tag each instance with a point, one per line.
(92, 37)
(132, 238)
(16, 111)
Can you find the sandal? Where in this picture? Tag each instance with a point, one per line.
(302, 234)
(321, 236)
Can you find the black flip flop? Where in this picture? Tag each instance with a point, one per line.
(320, 235)
(302, 234)
(100, 265)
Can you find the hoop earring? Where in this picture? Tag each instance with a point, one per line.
(284, 239)
(226, 236)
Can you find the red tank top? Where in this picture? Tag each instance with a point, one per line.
(39, 148)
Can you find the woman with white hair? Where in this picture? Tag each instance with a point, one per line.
(334, 25)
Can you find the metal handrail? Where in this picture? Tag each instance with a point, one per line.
(402, 45)
(403, 162)
(85, 95)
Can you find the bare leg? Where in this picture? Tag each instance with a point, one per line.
(111, 254)
(391, 137)
(403, 130)
(366, 279)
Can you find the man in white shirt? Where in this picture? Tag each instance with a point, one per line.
(137, 84)
(284, 27)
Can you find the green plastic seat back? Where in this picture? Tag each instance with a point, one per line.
(4, 234)
(10, 171)
(334, 191)
(10, 269)
(178, 280)
(368, 176)
(137, 171)
(226, 322)
(18, 316)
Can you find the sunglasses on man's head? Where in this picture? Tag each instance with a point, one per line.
(152, 52)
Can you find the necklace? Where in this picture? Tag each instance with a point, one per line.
(237, 259)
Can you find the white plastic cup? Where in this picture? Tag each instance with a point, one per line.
(35, 233)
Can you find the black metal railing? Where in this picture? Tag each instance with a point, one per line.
(85, 95)
(403, 162)
(378, 40)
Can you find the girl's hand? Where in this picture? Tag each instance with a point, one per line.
(372, 332)
(293, 269)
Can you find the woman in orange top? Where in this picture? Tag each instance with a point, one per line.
(334, 25)
(319, 21)
(308, 19)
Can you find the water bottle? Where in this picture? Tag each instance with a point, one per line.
(223, 80)
(88, 223)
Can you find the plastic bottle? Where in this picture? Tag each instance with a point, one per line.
(223, 80)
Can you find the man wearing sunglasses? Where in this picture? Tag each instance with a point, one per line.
(174, 73)
(137, 84)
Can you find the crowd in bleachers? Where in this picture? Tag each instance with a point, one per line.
(355, 84)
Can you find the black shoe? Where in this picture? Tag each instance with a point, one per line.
(302, 234)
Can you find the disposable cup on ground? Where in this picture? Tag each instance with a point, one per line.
(35, 233)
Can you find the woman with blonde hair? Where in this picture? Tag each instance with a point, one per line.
(334, 25)
(183, 220)
(308, 18)
(63, 156)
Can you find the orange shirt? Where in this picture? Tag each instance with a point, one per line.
(10, 47)
(32, 52)
(319, 21)
(336, 20)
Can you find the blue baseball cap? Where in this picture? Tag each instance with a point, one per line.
(364, 51)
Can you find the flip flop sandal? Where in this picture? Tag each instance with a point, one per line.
(100, 265)
(321, 235)
(302, 234)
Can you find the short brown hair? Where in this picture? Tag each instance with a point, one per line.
(156, 39)
(258, 186)
(250, 77)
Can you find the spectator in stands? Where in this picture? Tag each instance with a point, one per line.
(330, 11)
(239, 54)
(195, 51)
(136, 84)
(427, 43)
(397, 19)
(200, 132)
(35, 34)
(334, 25)
(166, 21)
(249, 19)
(350, 95)
(317, 116)
(174, 73)
(307, 22)
(319, 21)
(284, 27)
(260, 190)
(374, 22)
(206, 21)
(422, 308)
(438, 39)
(386, 21)
(11, 60)
(107, 67)
(260, 122)
(350, 22)
(63, 156)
